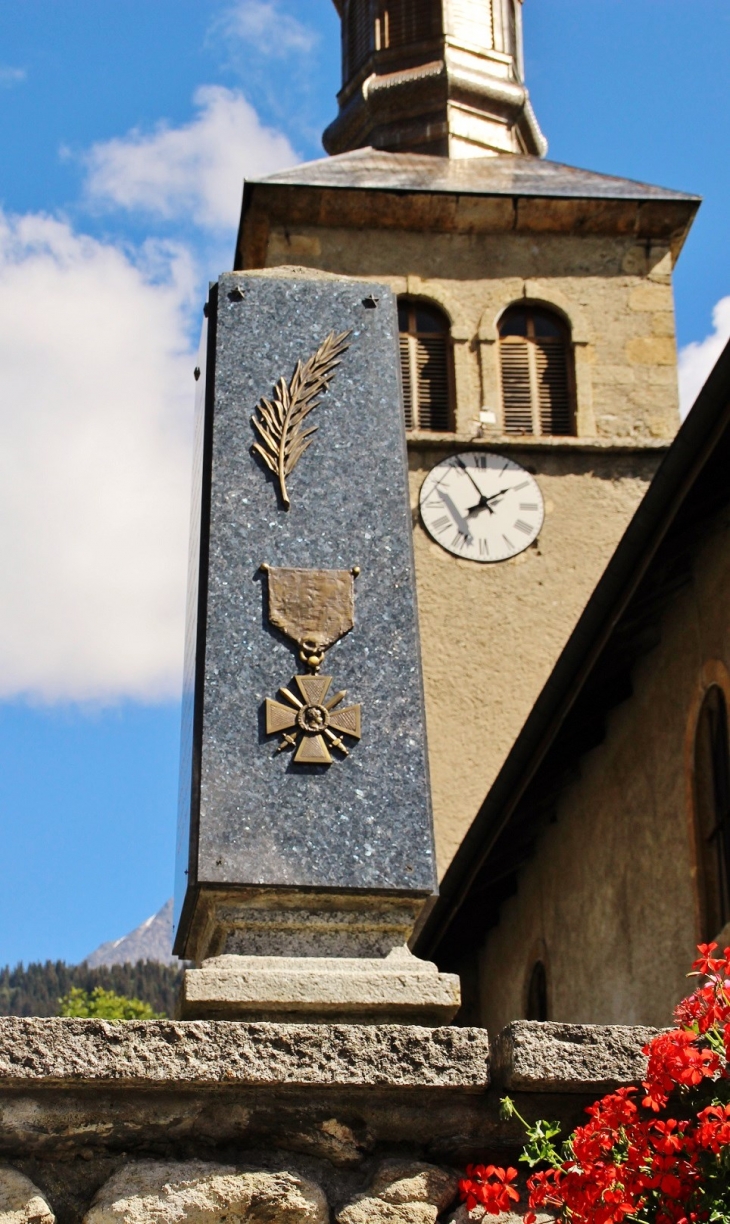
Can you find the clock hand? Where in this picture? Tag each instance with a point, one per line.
(461, 523)
(464, 468)
(494, 496)
(482, 504)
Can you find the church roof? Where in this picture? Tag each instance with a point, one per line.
(620, 623)
(507, 193)
(502, 175)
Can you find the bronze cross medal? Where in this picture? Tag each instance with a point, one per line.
(315, 608)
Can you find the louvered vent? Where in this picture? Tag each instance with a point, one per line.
(516, 386)
(432, 365)
(426, 365)
(405, 365)
(359, 34)
(536, 366)
(409, 21)
(553, 387)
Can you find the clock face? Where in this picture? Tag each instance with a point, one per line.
(481, 506)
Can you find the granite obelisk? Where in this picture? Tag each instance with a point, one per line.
(306, 847)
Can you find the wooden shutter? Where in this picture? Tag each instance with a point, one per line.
(426, 371)
(432, 366)
(536, 365)
(553, 386)
(516, 385)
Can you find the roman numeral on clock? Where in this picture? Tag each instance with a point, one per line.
(440, 524)
(524, 527)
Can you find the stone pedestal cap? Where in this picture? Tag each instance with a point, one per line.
(398, 988)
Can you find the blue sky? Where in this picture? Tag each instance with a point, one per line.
(126, 128)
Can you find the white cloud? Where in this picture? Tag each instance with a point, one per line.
(697, 359)
(95, 418)
(271, 31)
(11, 76)
(194, 172)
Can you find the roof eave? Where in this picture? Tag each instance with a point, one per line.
(268, 203)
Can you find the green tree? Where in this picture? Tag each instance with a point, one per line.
(104, 1005)
(34, 990)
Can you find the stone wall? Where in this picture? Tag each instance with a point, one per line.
(615, 294)
(619, 941)
(496, 631)
(147, 1122)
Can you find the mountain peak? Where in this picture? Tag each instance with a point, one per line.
(151, 940)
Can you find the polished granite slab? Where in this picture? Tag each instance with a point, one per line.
(249, 814)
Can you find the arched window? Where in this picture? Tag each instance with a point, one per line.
(536, 365)
(537, 995)
(712, 809)
(427, 365)
(402, 22)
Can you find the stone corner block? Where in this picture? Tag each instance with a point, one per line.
(20, 1201)
(529, 1056)
(149, 1191)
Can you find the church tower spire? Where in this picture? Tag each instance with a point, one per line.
(434, 76)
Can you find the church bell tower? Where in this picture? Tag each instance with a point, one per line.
(443, 77)
(536, 326)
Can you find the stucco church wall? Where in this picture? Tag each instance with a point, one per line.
(491, 634)
(609, 900)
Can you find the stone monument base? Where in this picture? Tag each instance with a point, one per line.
(398, 988)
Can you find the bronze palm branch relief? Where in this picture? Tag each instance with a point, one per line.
(284, 431)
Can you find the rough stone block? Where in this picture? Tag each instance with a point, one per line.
(652, 350)
(403, 1192)
(20, 1201)
(462, 1216)
(532, 1057)
(150, 1191)
(37, 1052)
(651, 297)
